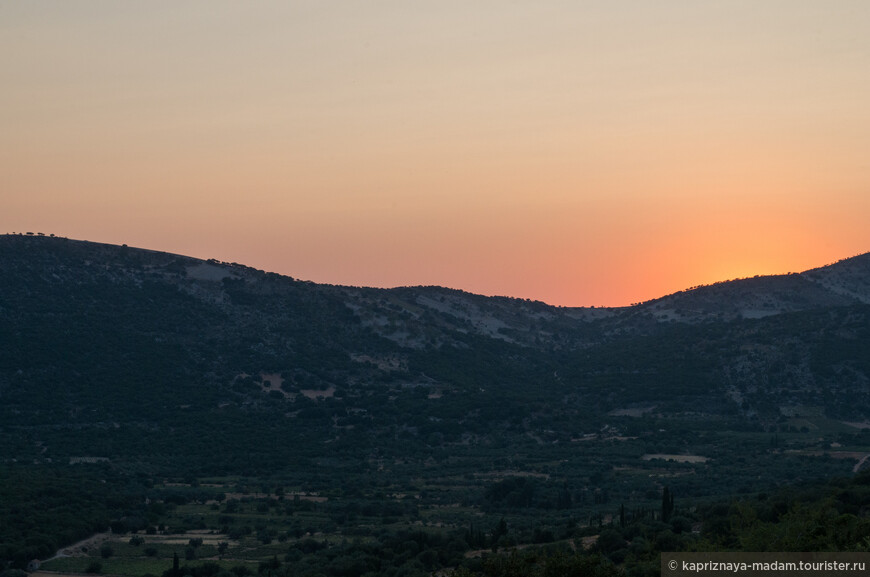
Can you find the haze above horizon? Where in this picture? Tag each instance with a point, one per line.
(579, 154)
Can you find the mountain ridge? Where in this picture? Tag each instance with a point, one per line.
(844, 282)
(75, 312)
(280, 318)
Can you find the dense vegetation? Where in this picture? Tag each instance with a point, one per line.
(340, 431)
(208, 531)
(43, 508)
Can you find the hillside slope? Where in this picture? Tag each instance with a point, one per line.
(110, 350)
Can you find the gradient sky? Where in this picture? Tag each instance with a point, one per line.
(578, 153)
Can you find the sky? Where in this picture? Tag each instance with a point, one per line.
(578, 153)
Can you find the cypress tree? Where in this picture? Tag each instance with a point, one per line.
(667, 505)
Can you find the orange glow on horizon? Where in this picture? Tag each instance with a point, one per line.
(585, 154)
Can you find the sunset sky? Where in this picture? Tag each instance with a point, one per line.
(577, 152)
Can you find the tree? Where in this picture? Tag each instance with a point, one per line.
(667, 505)
(270, 566)
(500, 530)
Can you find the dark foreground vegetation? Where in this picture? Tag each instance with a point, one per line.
(234, 528)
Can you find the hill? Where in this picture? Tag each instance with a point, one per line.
(434, 406)
(844, 283)
(96, 334)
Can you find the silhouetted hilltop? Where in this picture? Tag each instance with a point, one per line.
(97, 335)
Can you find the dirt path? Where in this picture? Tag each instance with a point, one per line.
(860, 464)
(75, 550)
